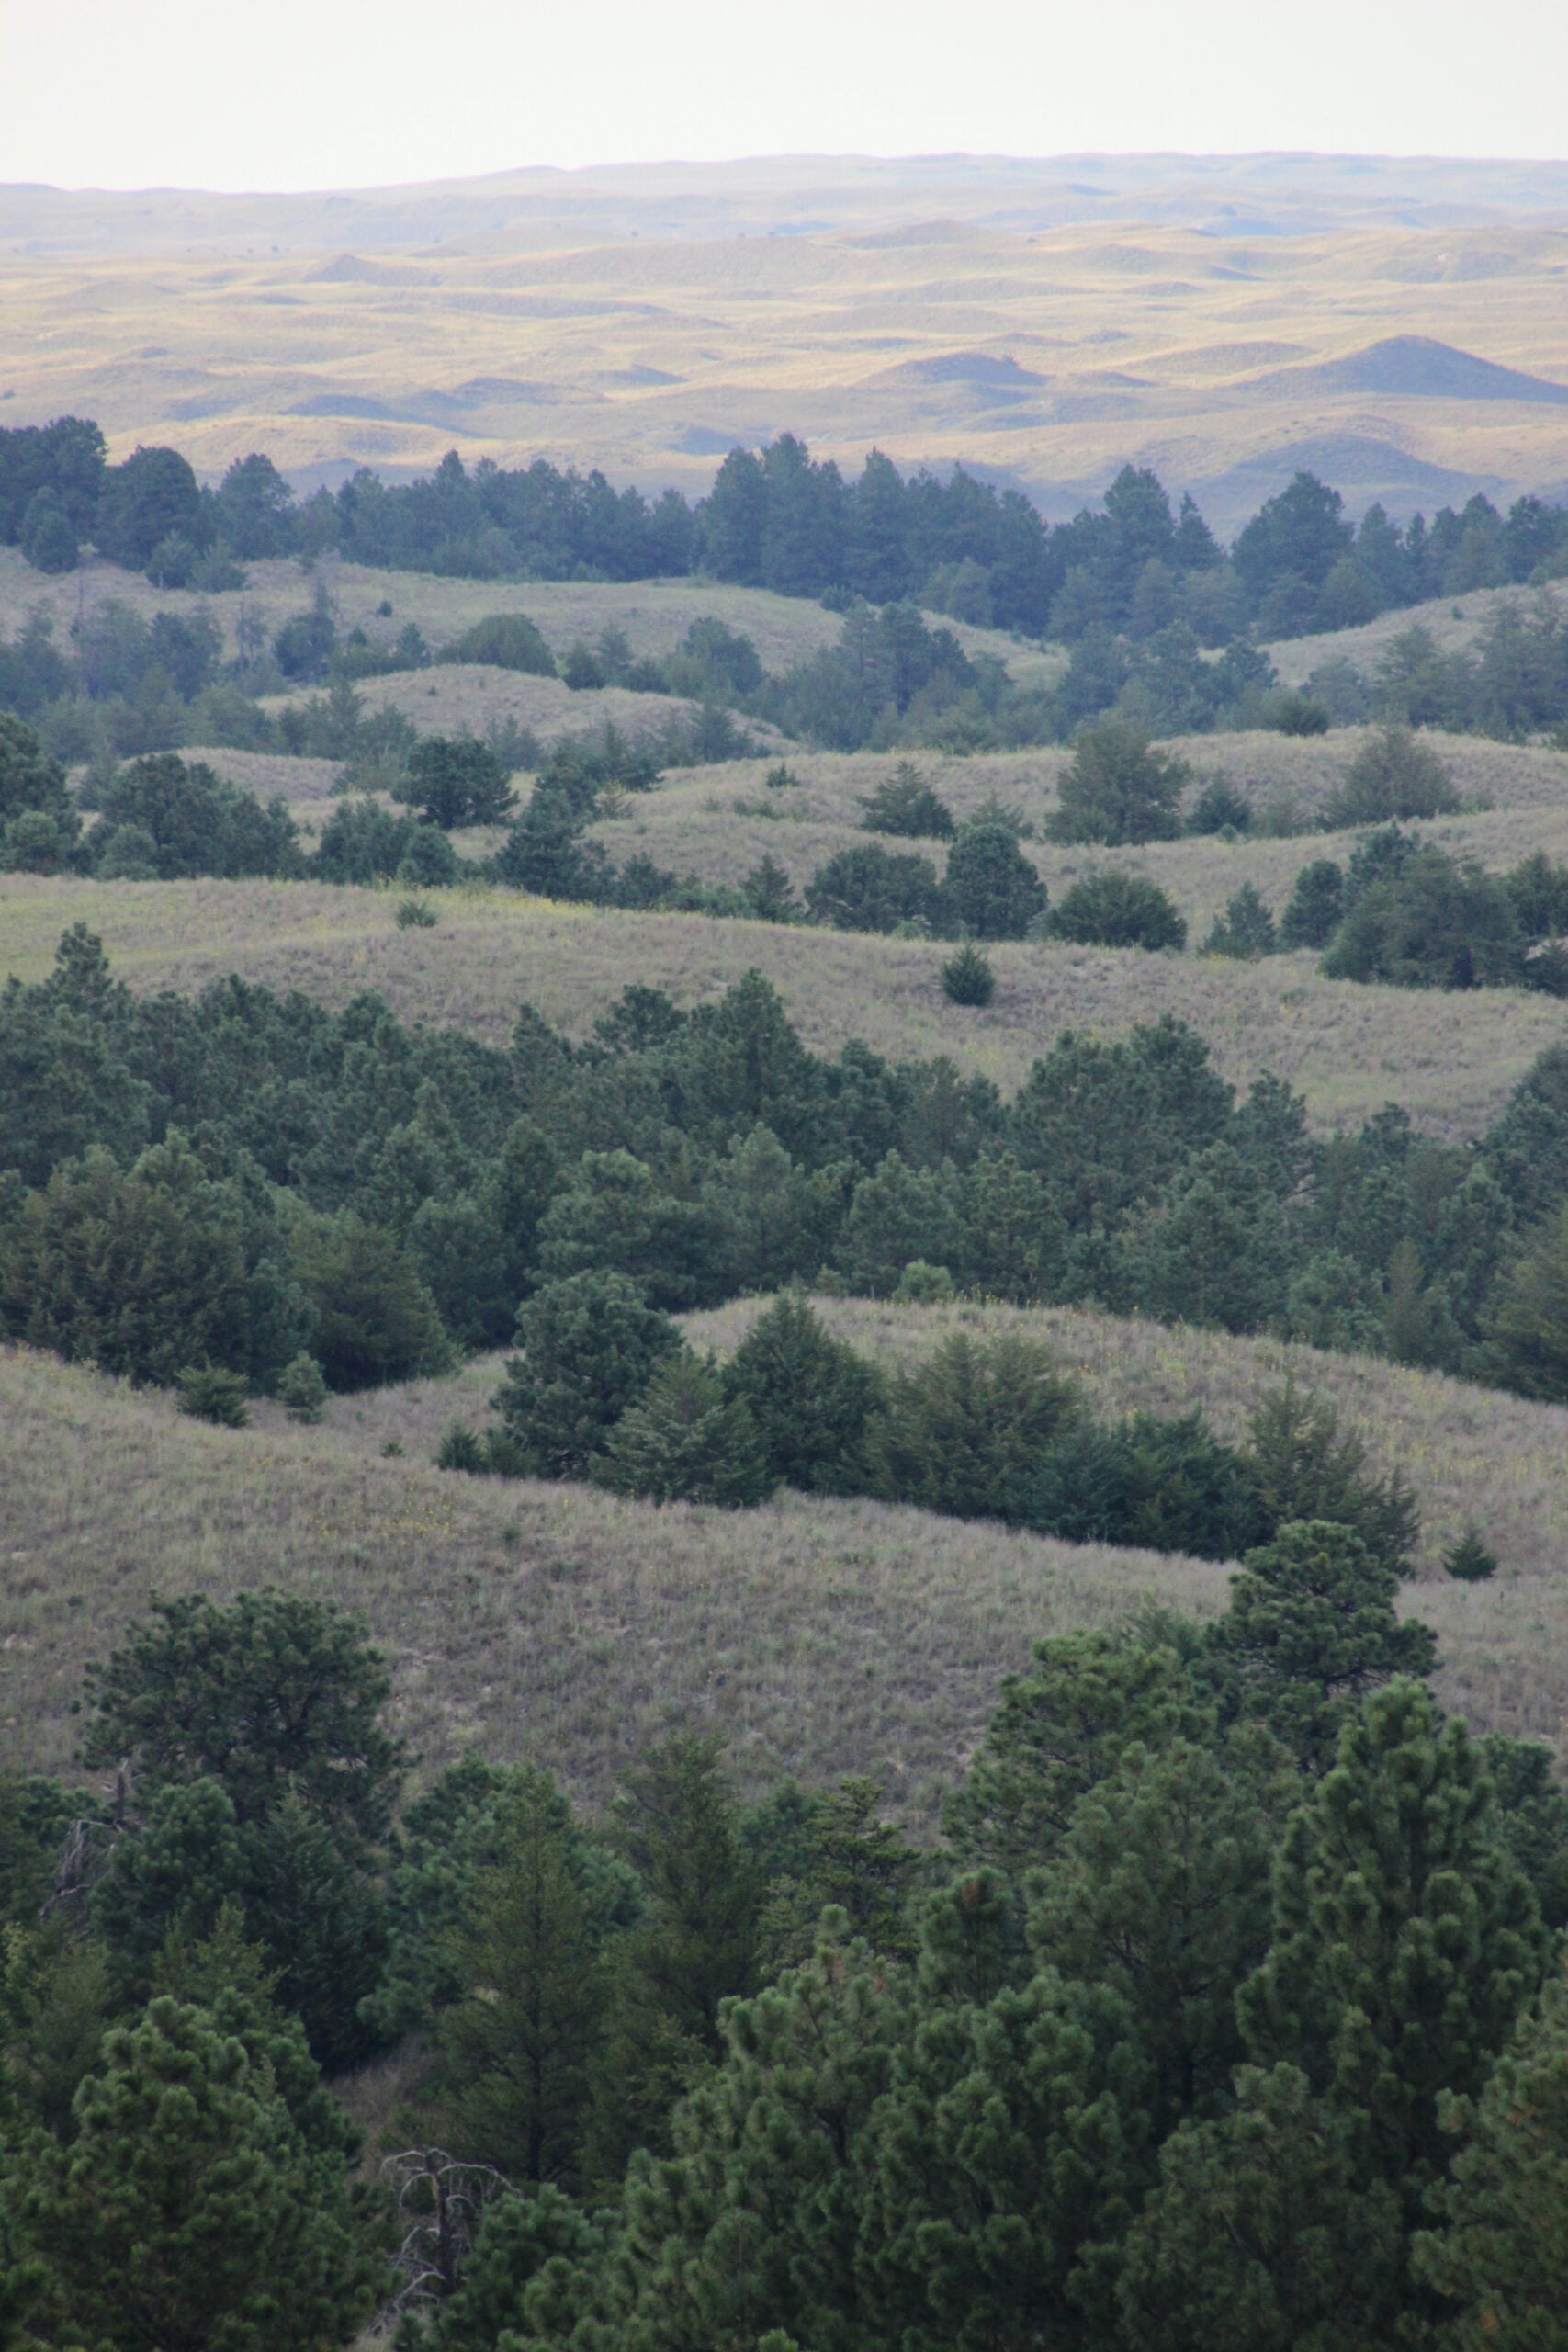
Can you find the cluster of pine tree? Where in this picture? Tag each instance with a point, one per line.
(776, 518)
(1226, 2012)
(604, 1387)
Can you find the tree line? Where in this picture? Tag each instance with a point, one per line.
(242, 1179)
(1225, 2013)
(776, 518)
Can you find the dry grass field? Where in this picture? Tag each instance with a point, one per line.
(547, 1620)
(1449, 1059)
(1196, 345)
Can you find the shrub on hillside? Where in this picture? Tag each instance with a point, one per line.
(1220, 808)
(1435, 924)
(502, 641)
(1115, 909)
(375, 1319)
(905, 803)
(454, 782)
(1246, 929)
(870, 888)
(1315, 906)
(967, 977)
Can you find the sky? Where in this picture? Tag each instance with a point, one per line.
(322, 94)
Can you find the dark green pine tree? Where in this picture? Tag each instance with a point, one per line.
(1259, 2237)
(189, 2214)
(1005, 2159)
(679, 1825)
(753, 2223)
(809, 1396)
(685, 1441)
(1160, 1891)
(1406, 1938)
(1060, 1730)
(1501, 2263)
(1311, 1628)
(519, 2046)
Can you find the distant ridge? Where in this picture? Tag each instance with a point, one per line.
(1414, 366)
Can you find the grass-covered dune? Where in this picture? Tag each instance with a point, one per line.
(1449, 1059)
(821, 1638)
(552, 1621)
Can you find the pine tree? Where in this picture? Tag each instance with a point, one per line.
(1160, 1891)
(1259, 2237)
(1059, 1731)
(1311, 1628)
(1406, 1938)
(188, 2213)
(809, 1396)
(685, 1441)
(520, 2044)
(1503, 2258)
(753, 2224)
(1004, 2158)
(679, 1827)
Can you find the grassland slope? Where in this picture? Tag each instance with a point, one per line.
(819, 1637)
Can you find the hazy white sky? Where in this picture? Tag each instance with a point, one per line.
(296, 94)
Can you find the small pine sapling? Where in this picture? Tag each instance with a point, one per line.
(207, 1393)
(967, 977)
(1469, 1559)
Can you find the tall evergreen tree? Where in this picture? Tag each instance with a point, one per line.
(1407, 1938)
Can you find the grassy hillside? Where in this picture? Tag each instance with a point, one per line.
(1453, 623)
(1449, 1059)
(823, 1638)
(718, 823)
(654, 613)
(1469, 1453)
